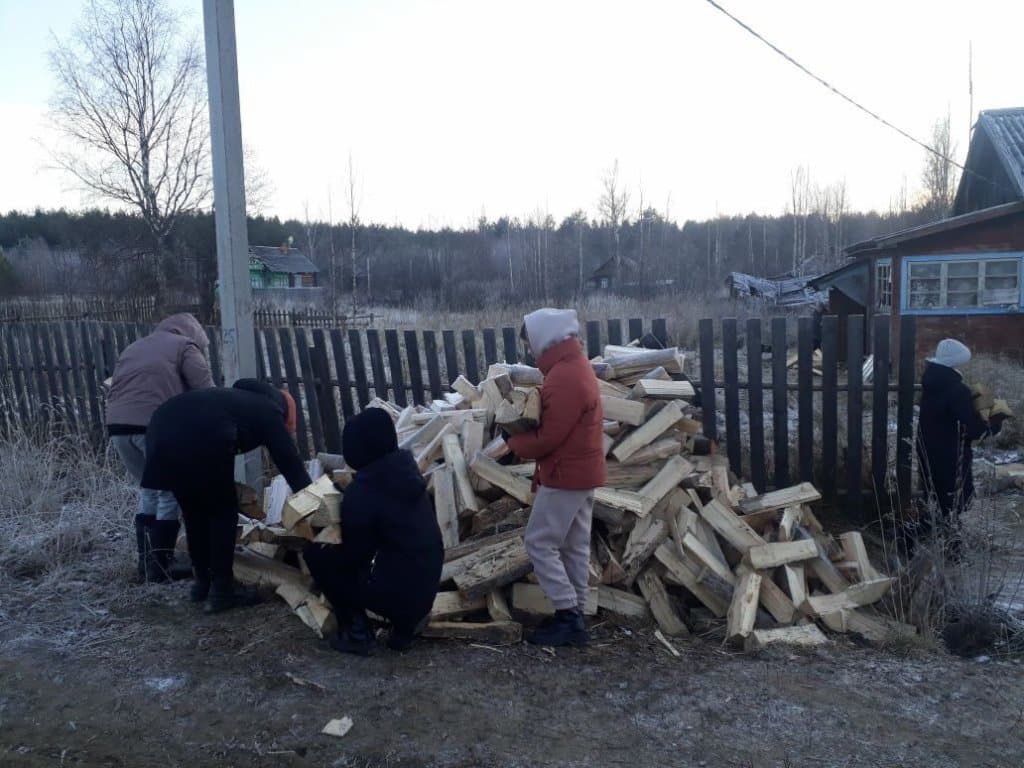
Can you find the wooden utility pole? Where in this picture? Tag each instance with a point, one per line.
(238, 340)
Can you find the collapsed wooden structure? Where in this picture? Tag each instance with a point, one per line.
(677, 537)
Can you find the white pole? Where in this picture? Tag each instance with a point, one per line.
(238, 341)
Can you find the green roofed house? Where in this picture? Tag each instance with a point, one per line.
(281, 267)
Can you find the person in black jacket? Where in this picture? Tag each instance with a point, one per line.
(191, 444)
(947, 424)
(389, 561)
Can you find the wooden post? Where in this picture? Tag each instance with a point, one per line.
(780, 402)
(412, 355)
(829, 406)
(707, 377)
(880, 408)
(854, 413)
(395, 366)
(732, 394)
(433, 366)
(755, 400)
(510, 344)
(593, 338)
(805, 397)
(905, 411)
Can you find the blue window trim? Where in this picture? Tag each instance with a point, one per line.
(906, 309)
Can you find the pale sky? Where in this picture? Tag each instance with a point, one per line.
(453, 107)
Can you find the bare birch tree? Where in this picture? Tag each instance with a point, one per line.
(612, 207)
(131, 110)
(353, 199)
(939, 176)
(800, 201)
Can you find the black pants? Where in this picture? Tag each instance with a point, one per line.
(351, 591)
(211, 519)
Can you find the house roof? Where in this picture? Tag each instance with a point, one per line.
(783, 291)
(933, 228)
(607, 268)
(1003, 131)
(292, 261)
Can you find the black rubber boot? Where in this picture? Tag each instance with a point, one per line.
(200, 590)
(141, 525)
(356, 638)
(224, 597)
(566, 627)
(402, 635)
(166, 547)
(153, 565)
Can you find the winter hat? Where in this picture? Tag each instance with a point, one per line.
(368, 436)
(546, 327)
(951, 353)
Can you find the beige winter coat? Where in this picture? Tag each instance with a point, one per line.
(154, 369)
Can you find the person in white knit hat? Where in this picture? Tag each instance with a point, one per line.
(947, 425)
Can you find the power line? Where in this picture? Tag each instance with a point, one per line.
(846, 98)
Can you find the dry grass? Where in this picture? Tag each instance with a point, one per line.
(1006, 380)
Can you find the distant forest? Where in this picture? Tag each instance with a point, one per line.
(99, 253)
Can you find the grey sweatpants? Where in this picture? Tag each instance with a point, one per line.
(159, 504)
(558, 543)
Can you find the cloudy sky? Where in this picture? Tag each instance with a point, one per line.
(451, 108)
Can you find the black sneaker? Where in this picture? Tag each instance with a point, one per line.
(566, 627)
(236, 596)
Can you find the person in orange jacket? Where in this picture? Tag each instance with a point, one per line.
(569, 450)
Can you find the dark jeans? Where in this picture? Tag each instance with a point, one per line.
(351, 591)
(211, 518)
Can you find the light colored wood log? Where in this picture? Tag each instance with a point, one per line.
(456, 461)
(330, 534)
(491, 632)
(876, 628)
(854, 550)
(626, 411)
(424, 434)
(822, 567)
(469, 391)
(629, 478)
(644, 360)
(664, 390)
(473, 545)
(318, 617)
(856, 595)
(743, 608)
(293, 594)
(767, 556)
(803, 636)
(433, 450)
(497, 606)
(445, 506)
(454, 417)
(695, 549)
(791, 517)
(250, 568)
(670, 476)
(530, 598)
(785, 497)
(661, 606)
(771, 596)
(647, 535)
(730, 526)
(627, 501)
(648, 432)
(453, 604)
(472, 439)
(657, 451)
(298, 507)
(685, 575)
(493, 567)
(796, 582)
(497, 475)
(621, 602)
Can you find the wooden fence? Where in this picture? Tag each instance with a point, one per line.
(52, 373)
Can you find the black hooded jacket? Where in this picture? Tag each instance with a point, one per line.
(193, 438)
(946, 426)
(387, 520)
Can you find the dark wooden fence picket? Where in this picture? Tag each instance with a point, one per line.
(755, 405)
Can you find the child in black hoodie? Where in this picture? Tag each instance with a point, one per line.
(390, 558)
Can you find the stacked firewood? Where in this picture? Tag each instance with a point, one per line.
(677, 537)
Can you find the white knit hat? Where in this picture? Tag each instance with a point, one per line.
(951, 353)
(546, 327)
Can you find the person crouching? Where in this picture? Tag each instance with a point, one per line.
(569, 451)
(391, 554)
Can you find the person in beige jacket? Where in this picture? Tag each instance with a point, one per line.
(167, 362)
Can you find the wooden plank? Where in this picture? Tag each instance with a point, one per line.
(510, 344)
(855, 551)
(48, 359)
(446, 507)
(395, 367)
(755, 404)
(636, 328)
(794, 496)
(79, 402)
(829, 405)
(615, 332)
(448, 605)
(659, 329)
(880, 409)
(743, 608)
(805, 398)
(412, 354)
(273, 357)
(495, 474)
(854, 596)
(620, 602)
(769, 556)
(380, 378)
(355, 345)
(433, 364)
(341, 371)
(530, 598)
(593, 339)
(854, 414)
(469, 353)
(108, 346)
(16, 371)
(93, 375)
(493, 567)
(730, 526)
(796, 583)
(325, 392)
(490, 347)
(630, 412)
(706, 334)
(650, 431)
(301, 435)
(905, 410)
(732, 394)
(456, 461)
(803, 636)
(780, 402)
(493, 632)
(451, 356)
(36, 342)
(660, 604)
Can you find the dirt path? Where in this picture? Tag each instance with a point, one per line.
(164, 685)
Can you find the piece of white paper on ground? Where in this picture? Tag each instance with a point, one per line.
(338, 727)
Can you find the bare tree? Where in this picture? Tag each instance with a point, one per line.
(353, 199)
(612, 207)
(939, 175)
(800, 201)
(131, 110)
(312, 230)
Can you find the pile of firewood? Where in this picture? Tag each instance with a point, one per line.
(676, 536)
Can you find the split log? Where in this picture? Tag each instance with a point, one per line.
(445, 506)
(456, 461)
(433, 450)
(627, 477)
(472, 439)
(497, 606)
(625, 411)
(660, 604)
(493, 567)
(685, 575)
(493, 632)
(855, 551)
(530, 598)
(796, 583)
(621, 602)
(648, 432)
(453, 604)
(705, 558)
(647, 535)
(743, 608)
(731, 527)
(644, 360)
(767, 556)
(804, 636)
(298, 507)
(611, 569)
(250, 568)
(452, 554)
(469, 391)
(854, 596)
(872, 626)
(786, 497)
(664, 390)
(670, 476)
(494, 473)
(660, 449)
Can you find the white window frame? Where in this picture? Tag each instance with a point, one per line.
(943, 262)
